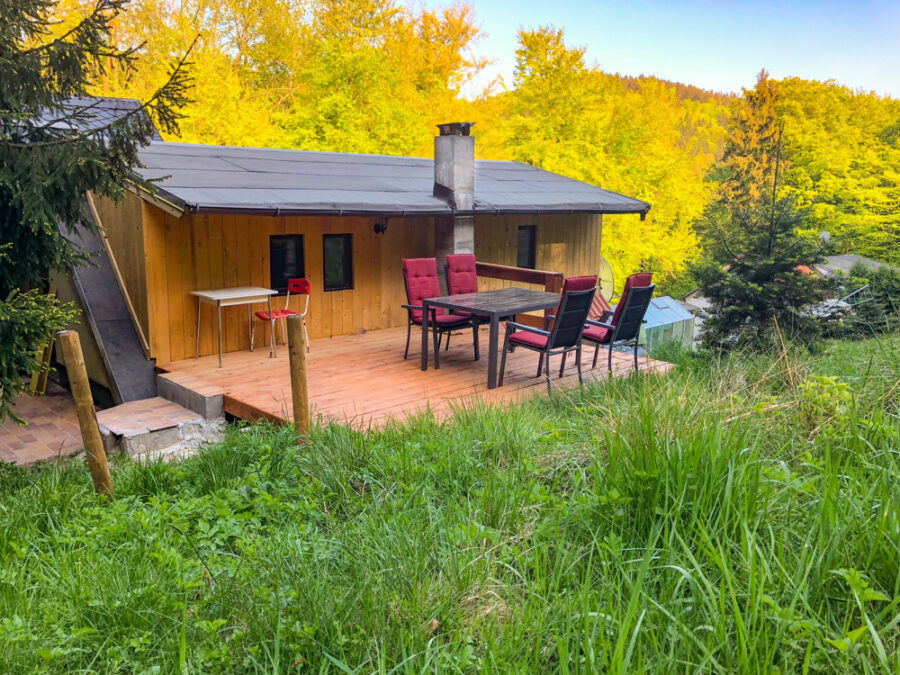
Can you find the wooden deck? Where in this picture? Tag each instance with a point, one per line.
(363, 380)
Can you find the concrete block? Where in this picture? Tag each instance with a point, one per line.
(208, 406)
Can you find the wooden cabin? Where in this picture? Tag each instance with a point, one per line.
(221, 217)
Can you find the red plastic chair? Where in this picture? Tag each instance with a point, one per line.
(297, 287)
(627, 318)
(563, 337)
(421, 281)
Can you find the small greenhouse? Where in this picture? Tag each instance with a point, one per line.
(667, 321)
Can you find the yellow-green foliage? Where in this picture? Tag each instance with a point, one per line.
(376, 77)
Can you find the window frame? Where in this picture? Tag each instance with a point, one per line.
(532, 246)
(282, 290)
(347, 285)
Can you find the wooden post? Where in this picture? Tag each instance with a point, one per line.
(299, 391)
(70, 345)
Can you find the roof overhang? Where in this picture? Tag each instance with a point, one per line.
(182, 178)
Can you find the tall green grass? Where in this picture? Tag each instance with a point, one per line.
(735, 515)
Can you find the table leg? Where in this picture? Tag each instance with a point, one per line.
(250, 324)
(197, 351)
(271, 325)
(492, 351)
(425, 336)
(219, 308)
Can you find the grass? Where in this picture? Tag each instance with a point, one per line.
(734, 515)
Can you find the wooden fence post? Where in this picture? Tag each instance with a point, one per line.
(299, 391)
(84, 407)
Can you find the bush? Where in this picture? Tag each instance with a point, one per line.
(28, 322)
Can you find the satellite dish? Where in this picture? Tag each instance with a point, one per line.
(605, 279)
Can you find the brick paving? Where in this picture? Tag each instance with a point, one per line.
(52, 429)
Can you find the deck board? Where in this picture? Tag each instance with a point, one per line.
(363, 380)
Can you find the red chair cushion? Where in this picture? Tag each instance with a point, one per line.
(461, 275)
(421, 282)
(639, 280)
(444, 320)
(575, 284)
(524, 337)
(579, 283)
(263, 315)
(596, 334)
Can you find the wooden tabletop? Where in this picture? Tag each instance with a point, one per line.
(502, 302)
(236, 293)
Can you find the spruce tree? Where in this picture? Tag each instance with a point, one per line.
(756, 272)
(54, 148)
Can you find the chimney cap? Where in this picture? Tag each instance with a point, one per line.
(455, 128)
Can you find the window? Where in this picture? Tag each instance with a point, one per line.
(527, 246)
(285, 260)
(337, 261)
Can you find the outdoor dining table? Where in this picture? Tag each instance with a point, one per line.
(228, 297)
(489, 305)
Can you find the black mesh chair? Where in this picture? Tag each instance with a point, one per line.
(564, 337)
(625, 326)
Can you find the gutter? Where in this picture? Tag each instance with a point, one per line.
(170, 204)
(278, 211)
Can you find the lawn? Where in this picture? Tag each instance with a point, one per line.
(734, 515)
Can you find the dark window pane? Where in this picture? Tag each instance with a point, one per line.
(525, 252)
(337, 261)
(285, 260)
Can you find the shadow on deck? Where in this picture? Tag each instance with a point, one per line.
(363, 380)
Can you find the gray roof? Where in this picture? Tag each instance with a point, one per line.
(665, 310)
(216, 179)
(844, 263)
(93, 112)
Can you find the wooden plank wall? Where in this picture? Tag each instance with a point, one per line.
(122, 223)
(569, 244)
(217, 251)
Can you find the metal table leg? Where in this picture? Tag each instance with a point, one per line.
(271, 326)
(250, 324)
(425, 336)
(492, 351)
(219, 308)
(197, 351)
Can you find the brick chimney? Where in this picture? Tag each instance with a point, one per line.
(454, 182)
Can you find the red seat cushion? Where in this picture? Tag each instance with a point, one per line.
(524, 337)
(421, 282)
(444, 320)
(263, 315)
(639, 280)
(596, 334)
(461, 275)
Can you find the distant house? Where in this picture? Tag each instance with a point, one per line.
(225, 216)
(844, 263)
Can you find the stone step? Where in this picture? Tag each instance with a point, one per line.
(155, 427)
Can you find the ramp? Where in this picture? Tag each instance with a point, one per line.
(132, 375)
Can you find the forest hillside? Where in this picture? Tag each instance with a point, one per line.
(376, 77)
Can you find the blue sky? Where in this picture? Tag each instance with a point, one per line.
(714, 45)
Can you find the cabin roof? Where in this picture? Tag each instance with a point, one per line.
(220, 179)
(92, 112)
